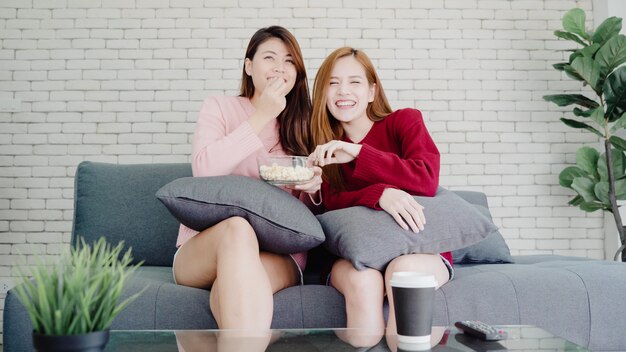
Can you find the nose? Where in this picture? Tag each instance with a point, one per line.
(343, 89)
(279, 67)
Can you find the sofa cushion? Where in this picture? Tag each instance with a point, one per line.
(118, 202)
(283, 223)
(372, 238)
(493, 249)
(570, 297)
(161, 306)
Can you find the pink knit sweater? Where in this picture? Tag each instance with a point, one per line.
(224, 143)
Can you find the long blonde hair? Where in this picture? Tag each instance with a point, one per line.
(324, 126)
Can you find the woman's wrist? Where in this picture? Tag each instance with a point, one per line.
(358, 150)
(258, 122)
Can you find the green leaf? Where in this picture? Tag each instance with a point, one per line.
(607, 29)
(583, 113)
(588, 69)
(576, 201)
(585, 187)
(567, 176)
(574, 55)
(571, 73)
(578, 124)
(569, 99)
(612, 54)
(569, 36)
(560, 66)
(619, 124)
(603, 172)
(618, 162)
(591, 206)
(618, 142)
(590, 50)
(620, 189)
(615, 93)
(574, 21)
(598, 117)
(587, 160)
(601, 190)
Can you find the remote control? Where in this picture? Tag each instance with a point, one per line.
(481, 330)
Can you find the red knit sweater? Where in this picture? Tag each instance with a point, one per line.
(397, 152)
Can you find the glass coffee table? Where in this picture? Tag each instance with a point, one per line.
(520, 338)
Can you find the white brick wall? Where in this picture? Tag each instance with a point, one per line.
(122, 82)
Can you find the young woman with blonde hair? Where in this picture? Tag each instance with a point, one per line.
(375, 157)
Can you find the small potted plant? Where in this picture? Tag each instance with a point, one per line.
(72, 304)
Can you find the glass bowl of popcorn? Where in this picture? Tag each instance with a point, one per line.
(285, 170)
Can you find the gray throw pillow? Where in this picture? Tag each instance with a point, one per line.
(372, 238)
(283, 223)
(492, 250)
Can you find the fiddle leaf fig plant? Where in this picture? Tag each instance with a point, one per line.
(598, 177)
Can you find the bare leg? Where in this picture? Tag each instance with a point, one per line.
(281, 270)
(243, 340)
(425, 263)
(222, 341)
(363, 292)
(195, 341)
(226, 258)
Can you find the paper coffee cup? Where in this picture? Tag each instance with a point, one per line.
(413, 298)
(419, 346)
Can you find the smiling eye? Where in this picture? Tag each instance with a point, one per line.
(355, 82)
(333, 83)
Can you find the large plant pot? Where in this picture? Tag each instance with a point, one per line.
(612, 243)
(91, 342)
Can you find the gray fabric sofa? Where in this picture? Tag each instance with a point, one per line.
(579, 299)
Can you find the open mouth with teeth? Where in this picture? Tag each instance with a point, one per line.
(345, 103)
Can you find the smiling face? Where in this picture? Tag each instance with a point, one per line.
(272, 60)
(349, 92)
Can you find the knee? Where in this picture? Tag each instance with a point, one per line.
(364, 283)
(412, 262)
(425, 263)
(237, 235)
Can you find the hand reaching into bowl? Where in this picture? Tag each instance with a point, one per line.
(335, 152)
